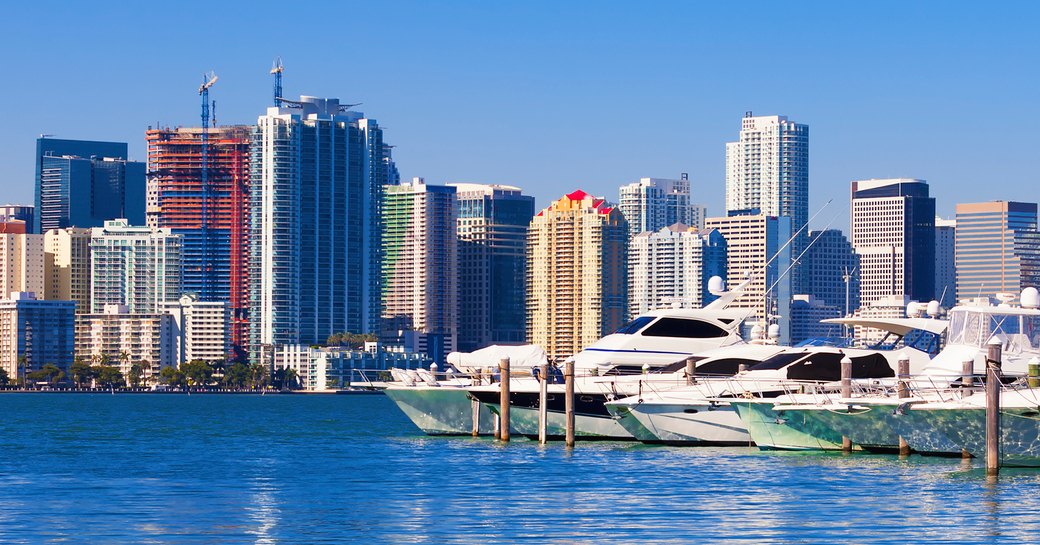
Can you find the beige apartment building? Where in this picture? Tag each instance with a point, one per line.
(22, 264)
(68, 260)
(576, 273)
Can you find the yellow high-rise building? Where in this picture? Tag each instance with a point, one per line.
(576, 273)
(68, 260)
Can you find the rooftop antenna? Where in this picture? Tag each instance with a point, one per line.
(277, 70)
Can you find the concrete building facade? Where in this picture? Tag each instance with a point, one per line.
(124, 340)
(652, 204)
(893, 233)
(997, 248)
(201, 329)
(67, 253)
(136, 266)
(23, 264)
(946, 262)
(673, 265)
(829, 259)
(767, 172)
(420, 265)
(756, 248)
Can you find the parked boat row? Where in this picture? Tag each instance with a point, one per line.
(686, 376)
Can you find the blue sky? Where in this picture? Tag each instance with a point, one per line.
(552, 96)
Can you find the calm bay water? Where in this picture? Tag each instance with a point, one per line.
(320, 469)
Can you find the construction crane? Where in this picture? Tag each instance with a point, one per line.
(277, 70)
(207, 81)
(347, 107)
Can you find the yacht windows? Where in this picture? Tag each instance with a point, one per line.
(780, 361)
(826, 366)
(724, 366)
(635, 325)
(688, 329)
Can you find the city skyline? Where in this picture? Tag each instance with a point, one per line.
(890, 104)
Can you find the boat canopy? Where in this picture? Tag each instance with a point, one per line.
(899, 326)
(1018, 328)
(520, 357)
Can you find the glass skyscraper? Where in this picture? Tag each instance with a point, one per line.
(81, 183)
(492, 237)
(317, 173)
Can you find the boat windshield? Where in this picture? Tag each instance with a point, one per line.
(1020, 332)
(634, 325)
(918, 339)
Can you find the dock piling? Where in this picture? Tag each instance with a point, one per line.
(903, 392)
(993, 407)
(568, 378)
(691, 370)
(543, 407)
(503, 368)
(475, 407)
(968, 374)
(846, 392)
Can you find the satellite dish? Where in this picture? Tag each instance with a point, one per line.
(1030, 298)
(913, 309)
(933, 308)
(716, 286)
(756, 332)
(774, 331)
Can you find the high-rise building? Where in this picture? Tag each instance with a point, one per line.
(201, 329)
(34, 333)
(829, 259)
(673, 265)
(893, 232)
(198, 187)
(492, 240)
(576, 273)
(19, 212)
(136, 266)
(807, 313)
(945, 262)
(998, 248)
(652, 204)
(67, 254)
(126, 339)
(317, 174)
(420, 266)
(23, 265)
(767, 172)
(83, 183)
(757, 249)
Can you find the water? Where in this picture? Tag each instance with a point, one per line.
(326, 469)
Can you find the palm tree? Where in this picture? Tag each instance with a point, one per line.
(23, 363)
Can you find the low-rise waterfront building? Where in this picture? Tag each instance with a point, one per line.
(201, 328)
(119, 338)
(334, 368)
(35, 332)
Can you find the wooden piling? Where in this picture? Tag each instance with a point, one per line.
(503, 369)
(968, 374)
(543, 404)
(993, 407)
(475, 407)
(691, 370)
(903, 392)
(568, 379)
(846, 392)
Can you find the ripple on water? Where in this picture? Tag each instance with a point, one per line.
(323, 469)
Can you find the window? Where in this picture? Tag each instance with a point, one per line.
(688, 329)
(634, 325)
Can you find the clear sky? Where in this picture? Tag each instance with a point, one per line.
(553, 96)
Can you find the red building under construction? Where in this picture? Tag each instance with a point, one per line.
(198, 186)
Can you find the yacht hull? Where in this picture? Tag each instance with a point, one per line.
(780, 430)
(441, 410)
(1019, 432)
(865, 426)
(591, 419)
(681, 424)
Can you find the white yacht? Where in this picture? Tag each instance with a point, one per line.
(876, 419)
(440, 405)
(707, 412)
